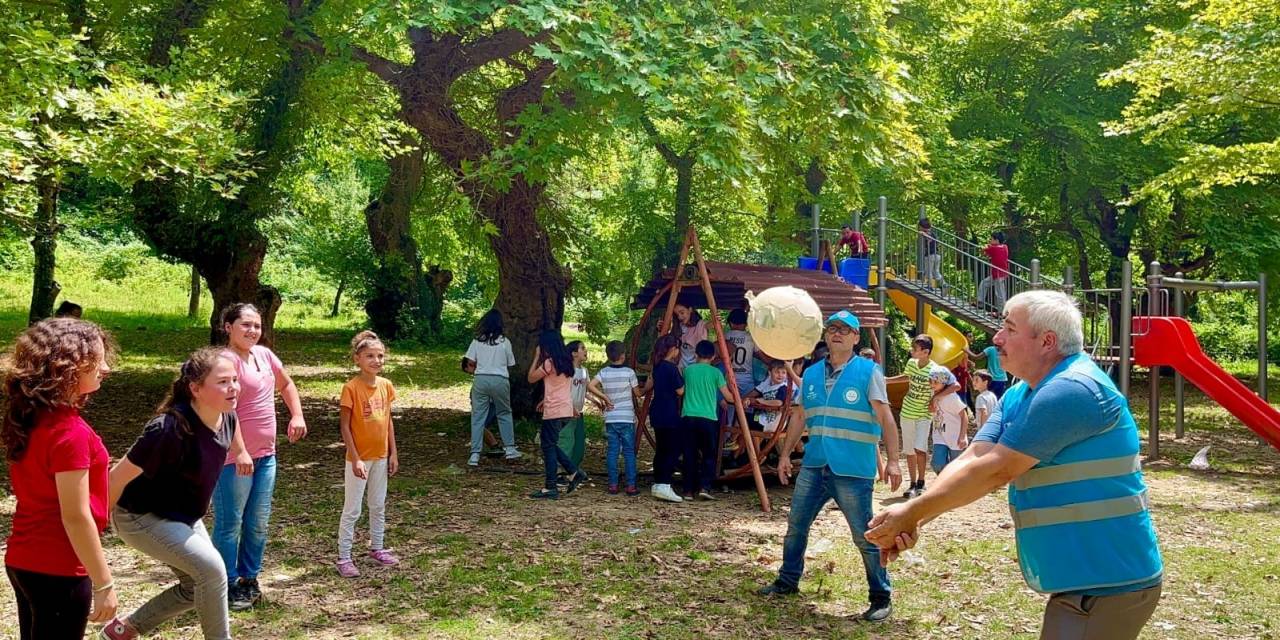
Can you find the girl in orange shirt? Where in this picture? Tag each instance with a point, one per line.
(370, 436)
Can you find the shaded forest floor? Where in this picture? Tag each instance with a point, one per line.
(483, 561)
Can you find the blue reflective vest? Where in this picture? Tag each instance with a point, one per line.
(1082, 518)
(843, 433)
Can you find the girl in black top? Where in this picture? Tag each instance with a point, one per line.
(162, 489)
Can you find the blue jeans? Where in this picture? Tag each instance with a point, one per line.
(621, 437)
(552, 455)
(942, 454)
(814, 487)
(241, 511)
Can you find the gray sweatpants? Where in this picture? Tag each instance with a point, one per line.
(202, 577)
(491, 393)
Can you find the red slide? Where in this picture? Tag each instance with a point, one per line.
(1169, 341)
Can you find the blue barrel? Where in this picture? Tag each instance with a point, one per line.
(856, 271)
(805, 262)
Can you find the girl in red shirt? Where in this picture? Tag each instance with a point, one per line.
(58, 469)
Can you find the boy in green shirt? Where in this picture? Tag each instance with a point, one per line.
(700, 423)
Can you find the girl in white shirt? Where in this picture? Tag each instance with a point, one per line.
(488, 358)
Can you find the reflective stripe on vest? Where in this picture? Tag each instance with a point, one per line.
(1082, 518)
(844, 434)
(1081, 511)
(1076, 471)
(843, 414)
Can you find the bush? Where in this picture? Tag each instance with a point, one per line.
(119, 262)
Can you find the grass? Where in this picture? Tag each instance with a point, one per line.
(483, 561)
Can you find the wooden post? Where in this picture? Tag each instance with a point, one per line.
(741, 414)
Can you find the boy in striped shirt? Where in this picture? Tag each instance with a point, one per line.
(618, 383)
(917, 409)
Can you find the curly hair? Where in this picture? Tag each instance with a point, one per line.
(42, 372)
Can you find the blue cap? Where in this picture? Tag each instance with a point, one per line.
(847, 317)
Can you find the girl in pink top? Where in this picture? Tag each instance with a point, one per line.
(553, 365)
(242, 503)
(692, 331)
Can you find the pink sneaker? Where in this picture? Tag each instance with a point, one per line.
(347, 569)
(117, 629)
(385, 557)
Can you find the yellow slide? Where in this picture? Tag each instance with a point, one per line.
(948, 343)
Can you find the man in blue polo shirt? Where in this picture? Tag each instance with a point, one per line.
(844, 405)
(1065, 442)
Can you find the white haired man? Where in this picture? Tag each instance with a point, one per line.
(1064, 439)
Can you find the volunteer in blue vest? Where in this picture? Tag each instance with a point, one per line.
(844, 404)
(1065, 442)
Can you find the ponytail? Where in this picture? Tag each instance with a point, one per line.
(193, 371)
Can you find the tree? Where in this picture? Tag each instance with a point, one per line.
(67, 114)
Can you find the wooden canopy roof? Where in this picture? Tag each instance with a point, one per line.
(730, 283)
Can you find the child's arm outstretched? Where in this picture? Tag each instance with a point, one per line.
(344, 425)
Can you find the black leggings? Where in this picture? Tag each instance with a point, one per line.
(701, 436)
(51, 607)
(668, 445)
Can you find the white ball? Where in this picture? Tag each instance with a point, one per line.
(784, 322)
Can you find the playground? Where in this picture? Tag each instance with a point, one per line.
(482, 561)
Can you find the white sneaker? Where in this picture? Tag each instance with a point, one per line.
(474, 460)
(513, 454)
(664, 492)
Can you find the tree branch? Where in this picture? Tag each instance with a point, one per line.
(664, 149)
(496, 46)
(388, 70)
(515, 99)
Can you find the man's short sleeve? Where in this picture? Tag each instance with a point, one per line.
(1062, 413)
(878, 389)
(991, 430)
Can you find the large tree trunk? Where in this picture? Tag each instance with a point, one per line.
(225, 246)
(44, 288)
(531, 283)
(405, 301)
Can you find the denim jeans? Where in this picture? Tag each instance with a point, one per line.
(621, 437)
(942, 454)
(241, 512)
(202, 579)
(552, 455)
(814, 487)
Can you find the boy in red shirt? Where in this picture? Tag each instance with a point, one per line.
(996, 282)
